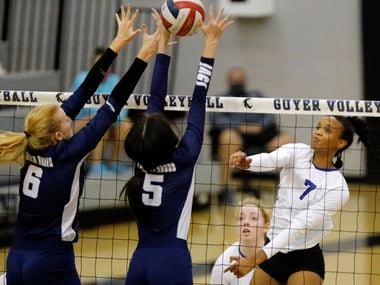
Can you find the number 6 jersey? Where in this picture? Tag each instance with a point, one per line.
(52, 179)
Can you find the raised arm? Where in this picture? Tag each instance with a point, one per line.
(124, 88)
(88, 137)
(191, 142)
(125, 34)
(159, 85)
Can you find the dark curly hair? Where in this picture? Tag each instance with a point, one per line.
(351, 125)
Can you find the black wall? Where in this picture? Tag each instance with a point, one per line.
(371, 76)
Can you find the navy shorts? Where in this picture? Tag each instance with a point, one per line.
(160, 266)
(281, 265)
(40, 267)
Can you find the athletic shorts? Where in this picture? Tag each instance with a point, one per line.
(282, 265)
(160, 266)
(31, 267)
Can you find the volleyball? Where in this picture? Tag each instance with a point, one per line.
(181, 17)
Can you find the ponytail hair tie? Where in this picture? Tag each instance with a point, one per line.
(338, 163)
(27, 134)
(351, 120)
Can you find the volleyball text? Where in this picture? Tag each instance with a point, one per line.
(354, 106)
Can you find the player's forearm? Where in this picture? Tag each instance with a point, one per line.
(163, 46)
(81, 95)
(97, 72)
(117, 45)
(158, 90)
(197, 111)
(210, 48)
(124, 88)
(197, 107)
(146, 54)
(263, 162)
(260, 257)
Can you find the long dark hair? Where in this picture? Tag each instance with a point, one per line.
(150, 143)
(351, 125)
(151, 140)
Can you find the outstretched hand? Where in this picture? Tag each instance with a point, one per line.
(125, 32)
(150, 44)
(240, 159)
(165, 35)
(213, 30)
(215, 27)
(157, 18)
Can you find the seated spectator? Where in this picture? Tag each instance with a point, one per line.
(98, 166)
(253, 222)
(231, 132)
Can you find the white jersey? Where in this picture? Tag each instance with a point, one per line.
(222, 263)
(307, 198)
(3, 281)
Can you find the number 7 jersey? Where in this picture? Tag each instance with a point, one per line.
(307, 198)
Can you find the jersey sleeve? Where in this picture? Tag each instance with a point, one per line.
(88, 137)
(311, 219)
(279, 158)
(217, 274)
(191, 142)
(159, 87)
(121, 92)
(76, 101)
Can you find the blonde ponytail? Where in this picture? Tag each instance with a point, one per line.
(12, 147)
(40, 125)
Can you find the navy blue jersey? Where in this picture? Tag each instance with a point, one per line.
(163, 207)
(52, 179)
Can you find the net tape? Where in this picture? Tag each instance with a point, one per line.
(214, 103)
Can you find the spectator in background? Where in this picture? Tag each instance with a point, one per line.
(253, 222)
(99, 167)
(233, 131)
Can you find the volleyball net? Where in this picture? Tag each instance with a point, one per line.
(290, 106)
(109, 235)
